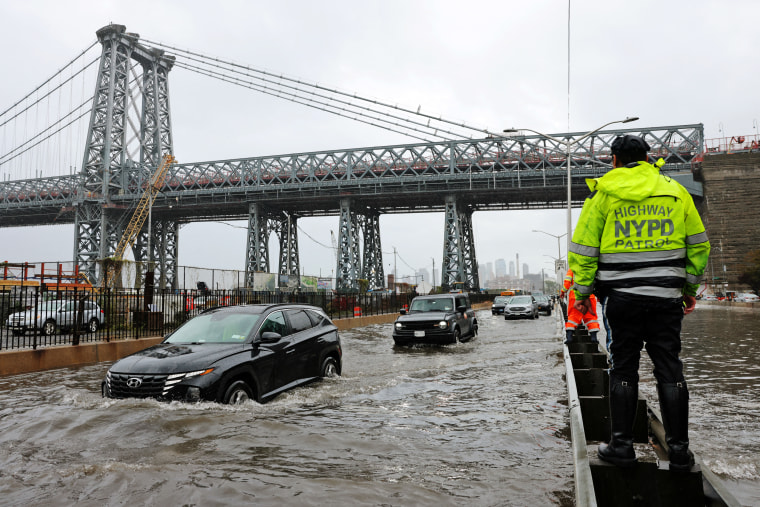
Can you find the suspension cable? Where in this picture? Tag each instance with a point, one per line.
(324, 88)
(280, 95)
(327, 97)
(50, 78)
(41, 140)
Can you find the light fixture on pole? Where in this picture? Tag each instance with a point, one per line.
(559, 251)
(568, 145)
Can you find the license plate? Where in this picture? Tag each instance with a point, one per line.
(419, 334)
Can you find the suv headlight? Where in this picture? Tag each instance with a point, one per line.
(443, 324)
(399, 325)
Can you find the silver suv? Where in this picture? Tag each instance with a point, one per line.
(52, 315)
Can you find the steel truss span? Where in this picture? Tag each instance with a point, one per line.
(517, 172)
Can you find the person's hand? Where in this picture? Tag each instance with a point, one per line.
(690, 303)
(583, 305)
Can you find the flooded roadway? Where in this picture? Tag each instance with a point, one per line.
(479, 423)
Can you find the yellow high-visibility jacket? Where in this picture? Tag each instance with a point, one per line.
(639, 233)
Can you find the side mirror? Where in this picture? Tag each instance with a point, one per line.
(402, 311)
(270, 337)
(461, 309)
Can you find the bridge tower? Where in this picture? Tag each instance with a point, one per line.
(287, 232)
(459, 262)
(348, 268)
(372, 267)
(108, 168)
(257, 253)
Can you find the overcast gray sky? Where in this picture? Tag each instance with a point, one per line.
(496, 64)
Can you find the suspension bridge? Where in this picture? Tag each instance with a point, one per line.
(124, 129)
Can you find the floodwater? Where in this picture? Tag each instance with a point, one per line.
(478, 423)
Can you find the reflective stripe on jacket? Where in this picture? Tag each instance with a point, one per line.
(639, 233)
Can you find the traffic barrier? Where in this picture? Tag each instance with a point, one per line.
(357, 311)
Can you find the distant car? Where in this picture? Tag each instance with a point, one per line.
(497, 308)
(709, 297)
(437, 319)
(521, 307)
(544, 304)
(747, 298)
(230, 354)
(50, 316)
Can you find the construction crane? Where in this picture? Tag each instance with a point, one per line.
(137, 221)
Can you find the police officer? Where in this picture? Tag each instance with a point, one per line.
(641, 247)
(575, 317)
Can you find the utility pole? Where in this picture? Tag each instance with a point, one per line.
(395, 283)
(433, 280)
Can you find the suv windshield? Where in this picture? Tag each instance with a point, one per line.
(443, 304)
(521, 300)
(217, 327)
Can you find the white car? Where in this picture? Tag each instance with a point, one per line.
(49, 316)
(747, 298)
(710, 297)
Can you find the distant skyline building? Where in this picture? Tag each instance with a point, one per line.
(512, 268)
(500, 268)
(525, 269)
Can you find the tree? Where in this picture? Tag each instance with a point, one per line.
(750, 274)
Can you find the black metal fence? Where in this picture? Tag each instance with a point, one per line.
(31, 317)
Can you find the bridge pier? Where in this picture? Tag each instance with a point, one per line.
(459, 263)
(257, 252)
(372, 267)
(287, 232)
(348, 268)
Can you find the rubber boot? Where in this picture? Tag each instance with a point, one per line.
(624, 397)
(674, 405)
(569, 336)
(593, 337)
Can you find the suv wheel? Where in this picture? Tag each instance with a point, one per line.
(457, 336)
(237, 394)
(329, 368)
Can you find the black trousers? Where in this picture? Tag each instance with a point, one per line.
(634, 323)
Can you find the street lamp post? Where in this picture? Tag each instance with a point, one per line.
(568, 145)
(559, 251)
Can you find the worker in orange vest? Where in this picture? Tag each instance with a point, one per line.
(574, 316)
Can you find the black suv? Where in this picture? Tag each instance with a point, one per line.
(440, 318)
(230, 354)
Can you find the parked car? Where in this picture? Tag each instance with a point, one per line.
(521, 306)
(441, 318)
(544, 304)
(497, 308)
(230, 354)
(49, 316)
(747, 298)
(710, 297)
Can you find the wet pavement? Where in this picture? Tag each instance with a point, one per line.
(478, 423)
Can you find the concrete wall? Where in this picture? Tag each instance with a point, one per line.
(14, 362)
(731, 212)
